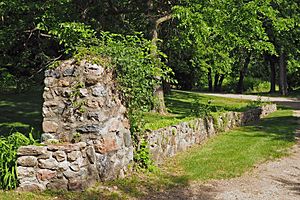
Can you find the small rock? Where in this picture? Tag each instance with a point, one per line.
(72, 156)
(97, 116)
(83, 92)
(45, 174)
(24, 172)
(63, 83)
(93, 128)
(47, 136)
(69, 72)
(76, 185)
(90, 152)
(52, 73)
(59, 156)
(106, 145)
(48, 164)
(31, 150)
(58, 184)
(27, 161)
(63, 166)
(31, 187)
(99, 91)
(50, 126)
(92, 103)
(75, 167)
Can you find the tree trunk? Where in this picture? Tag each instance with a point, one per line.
(243, 71)
(216, 82)
(159, 106)
(282, 74)
(273, 74)
(220, 82)
(210, 86)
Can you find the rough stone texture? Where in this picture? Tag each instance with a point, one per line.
(82, 112)
(166, 142)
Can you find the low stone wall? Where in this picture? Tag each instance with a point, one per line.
(166, 142)
(68, 167)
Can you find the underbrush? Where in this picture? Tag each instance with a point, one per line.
(8, 158)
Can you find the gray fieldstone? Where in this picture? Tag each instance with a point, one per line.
(93, 128)
(74, 155)
(90, 152)
(50, 126)
(58, 184)
(52, 73)
(99, 91)
(59, 156)
(48, 164)
(45, 174)
(31, 150)
(27, 161)
(69, 72)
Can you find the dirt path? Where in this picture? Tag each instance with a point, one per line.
(275, 180)
(285, 101)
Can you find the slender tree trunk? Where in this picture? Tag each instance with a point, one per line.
(210, 84)
(273, 74)
(282, 74)
(159, 106)
(243, 71)
(221, 82)
(216, 81)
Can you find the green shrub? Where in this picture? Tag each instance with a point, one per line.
(254, 104)
(201, 110)
(8, 158)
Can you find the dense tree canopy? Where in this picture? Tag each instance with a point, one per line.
(208, 44)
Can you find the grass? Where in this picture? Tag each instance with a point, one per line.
(231, 154)
(224, 156)
(180, 103)
(20, 112)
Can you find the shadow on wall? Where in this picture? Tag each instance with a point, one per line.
(20, 112)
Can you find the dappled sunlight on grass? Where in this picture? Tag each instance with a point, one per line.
(180, 104)
(20, 112)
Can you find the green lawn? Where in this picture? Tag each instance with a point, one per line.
(231, 154)
(180, 103)
(224, 156)
(20, 112)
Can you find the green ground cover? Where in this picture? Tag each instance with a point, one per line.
(224, 156)
(20, 112)
(231, 154)
(181, 103)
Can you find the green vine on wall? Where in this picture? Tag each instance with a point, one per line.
(136, 70)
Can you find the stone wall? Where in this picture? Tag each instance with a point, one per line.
(86, 131)
(166, 142)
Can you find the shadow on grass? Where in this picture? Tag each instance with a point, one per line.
(20, 112)
(291, 185)
(278, 128)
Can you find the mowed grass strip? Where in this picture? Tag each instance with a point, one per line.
(180, 103)
(231, 154)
